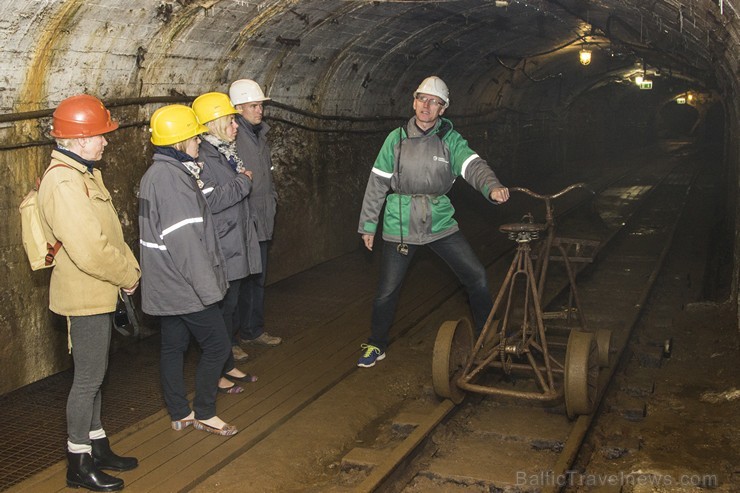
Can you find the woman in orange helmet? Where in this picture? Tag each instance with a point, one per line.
(93, 263)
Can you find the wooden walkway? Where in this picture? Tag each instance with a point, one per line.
(329, 310)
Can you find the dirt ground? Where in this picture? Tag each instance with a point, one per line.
(687, 441)
(689, 437)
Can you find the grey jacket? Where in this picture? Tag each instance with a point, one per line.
(419, 169)
(226, 192)
(183, 269)
(255, 152)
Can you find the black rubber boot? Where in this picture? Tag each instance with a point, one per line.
(82, 473)
(104, 457)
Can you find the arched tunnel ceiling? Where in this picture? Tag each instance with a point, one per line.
(362, 57)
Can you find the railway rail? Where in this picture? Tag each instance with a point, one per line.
(634, 249)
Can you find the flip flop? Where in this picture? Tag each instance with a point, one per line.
(248, 378)
(226, 431)
(234, 389)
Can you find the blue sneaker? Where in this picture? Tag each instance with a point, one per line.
(370, 354)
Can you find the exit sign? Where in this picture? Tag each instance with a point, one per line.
(646, 84)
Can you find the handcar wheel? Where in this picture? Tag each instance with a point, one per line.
(581, 373)
(452, 348)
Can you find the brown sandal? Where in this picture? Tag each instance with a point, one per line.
(226, 431)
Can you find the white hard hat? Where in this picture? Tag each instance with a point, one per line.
(436, 87)
(246, 91)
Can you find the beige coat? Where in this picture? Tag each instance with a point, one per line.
(94, 261)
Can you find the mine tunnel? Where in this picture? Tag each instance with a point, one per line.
(543, 90)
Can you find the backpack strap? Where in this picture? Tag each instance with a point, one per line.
(38, 180)
(52, 250)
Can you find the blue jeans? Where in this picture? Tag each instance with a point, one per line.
(457, 253)
(207, 327)
(252, 300)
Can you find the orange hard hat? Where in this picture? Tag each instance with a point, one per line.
(81, 116)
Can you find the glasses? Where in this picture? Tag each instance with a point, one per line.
(426, 99)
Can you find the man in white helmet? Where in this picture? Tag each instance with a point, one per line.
(251, 146)
(418, 164)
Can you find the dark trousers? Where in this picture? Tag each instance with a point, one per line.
(252, 300)
(207, 327)
(457, 253)
(231, 313)
(90, 337)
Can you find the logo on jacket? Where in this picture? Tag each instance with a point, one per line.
(440, 159)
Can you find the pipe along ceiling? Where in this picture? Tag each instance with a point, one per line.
(347, 64)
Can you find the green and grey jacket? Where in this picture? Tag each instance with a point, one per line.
(420, 169)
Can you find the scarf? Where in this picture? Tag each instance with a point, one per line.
(186, 159)
(228, 150)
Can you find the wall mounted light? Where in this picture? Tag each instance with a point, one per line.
(639, 79)
(584, 56)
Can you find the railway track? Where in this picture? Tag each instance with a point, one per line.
(507, 444)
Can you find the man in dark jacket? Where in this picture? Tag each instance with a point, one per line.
(251, 145)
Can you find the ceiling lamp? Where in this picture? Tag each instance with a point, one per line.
(584, 56)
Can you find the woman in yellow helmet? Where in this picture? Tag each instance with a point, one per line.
(183, 268)
(231, 213)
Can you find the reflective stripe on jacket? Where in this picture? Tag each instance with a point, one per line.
(183, 269)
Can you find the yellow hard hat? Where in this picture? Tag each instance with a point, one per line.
(212, 105)
(174, 123)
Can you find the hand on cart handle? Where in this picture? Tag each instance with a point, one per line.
(549, 198)
(500, 195)
(553, 196)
